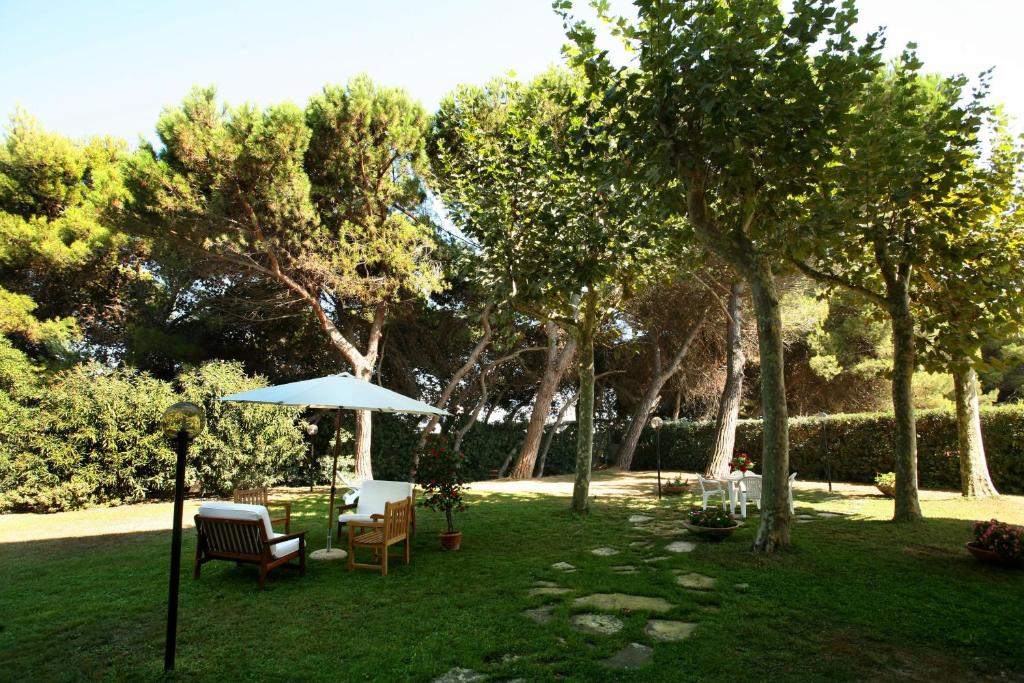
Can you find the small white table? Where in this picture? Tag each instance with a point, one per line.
(731, 484)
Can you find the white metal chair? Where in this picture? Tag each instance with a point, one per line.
(750, 492)
(708, 488)
(792, 480)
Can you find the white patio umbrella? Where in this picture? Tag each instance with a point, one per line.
(335, 392)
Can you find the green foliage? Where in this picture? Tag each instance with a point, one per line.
(243, 446)
(859, 446)
(712, 518)
(886, 479)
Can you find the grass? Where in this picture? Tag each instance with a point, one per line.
(856, 598)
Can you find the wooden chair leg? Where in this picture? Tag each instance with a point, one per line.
(407, 550)
(263, 577)
(384, 560)
(199, 560)
(302, 557)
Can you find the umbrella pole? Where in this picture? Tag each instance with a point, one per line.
(334, 476)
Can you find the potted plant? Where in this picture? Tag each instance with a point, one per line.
(998, 543)
(675, 487)
(886, 483)
(440, 474)
(741, 462)
(712, 523)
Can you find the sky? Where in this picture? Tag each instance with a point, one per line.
(108, 68)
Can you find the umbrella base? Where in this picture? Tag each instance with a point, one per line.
(326, 554)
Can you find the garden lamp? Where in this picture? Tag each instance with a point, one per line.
(656, 423)
(181, 422)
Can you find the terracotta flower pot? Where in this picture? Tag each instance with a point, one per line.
(712, 533)
(992, 557)
(887, 491)
(451, 541)
(673, 489)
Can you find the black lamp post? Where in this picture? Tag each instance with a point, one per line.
(824, 449)
(656, 423)
(312, 429)
(181, 422)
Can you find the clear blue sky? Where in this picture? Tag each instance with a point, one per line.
(87, 68)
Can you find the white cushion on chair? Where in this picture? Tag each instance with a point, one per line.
(374, 493)
(285, 547)
(241, 511)
(348, 518)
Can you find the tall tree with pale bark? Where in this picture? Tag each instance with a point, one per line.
(325, 204)
(728, 112)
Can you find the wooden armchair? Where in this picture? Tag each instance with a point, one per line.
(380, 534)
(370, 500)
(259, 497)
(242, 533)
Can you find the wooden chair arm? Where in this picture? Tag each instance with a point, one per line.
(368, 525)
(350, 506)
(376, 515)
(286, 504)
(286, 537)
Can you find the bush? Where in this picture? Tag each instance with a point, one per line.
(243, 445)
(859, 446)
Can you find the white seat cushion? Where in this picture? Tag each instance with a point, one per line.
(284, 547)
(373, 494)
(252, 513)
(353, 517)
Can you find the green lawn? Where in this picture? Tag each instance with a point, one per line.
(856, 598)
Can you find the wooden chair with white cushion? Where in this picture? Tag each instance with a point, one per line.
(243, 534)
(260, 496)
(384, 531)
(708, 488)
(374, 494)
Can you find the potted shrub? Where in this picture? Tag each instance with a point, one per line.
(675, 487)
(998, 543)
(741, 463)
(712, 523)
(440, 475)
(886, 483)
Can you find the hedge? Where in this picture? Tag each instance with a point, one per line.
(858, 445)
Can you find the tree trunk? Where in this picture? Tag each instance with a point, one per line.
(364, 428)
(773, 531)
(678, 405)
(650, 398)
(729, 403)
(585, 408)
(554, 369)
(975, 481)
(907, 508)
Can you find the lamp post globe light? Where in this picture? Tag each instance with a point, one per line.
(656, 423)
(312, 429)
(182, 422)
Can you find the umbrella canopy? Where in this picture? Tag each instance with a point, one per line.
(337, 391)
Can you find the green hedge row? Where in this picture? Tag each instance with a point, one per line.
(857, 445)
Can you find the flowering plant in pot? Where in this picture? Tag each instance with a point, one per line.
(741, 462)
(440, 475)
(998, 543)
(675, 487)
(886, 483)
(712, 523)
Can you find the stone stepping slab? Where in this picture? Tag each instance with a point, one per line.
(549, 590)
(604, 552)
(639, 519)
(633, 656)
(541, 615)
(669, 631)
(681, 547)
(460, 675)
(659, 558)
(695, 581)
(625, 569)
(544, 584)
(615, 602)
(641, 545)
(563, 567)
(598, 624)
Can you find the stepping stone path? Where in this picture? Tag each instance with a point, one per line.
(695, 581)
(599, 624)
(604, 552)
(669, 631)
(616, 602)
(460, 675)
(639, 519)
(563, 567)
(549, 590)
(544, 584)
(541, 615)
(659, 558)
(641, 545)
(633, 656)
(681, 547)
(625, 569)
